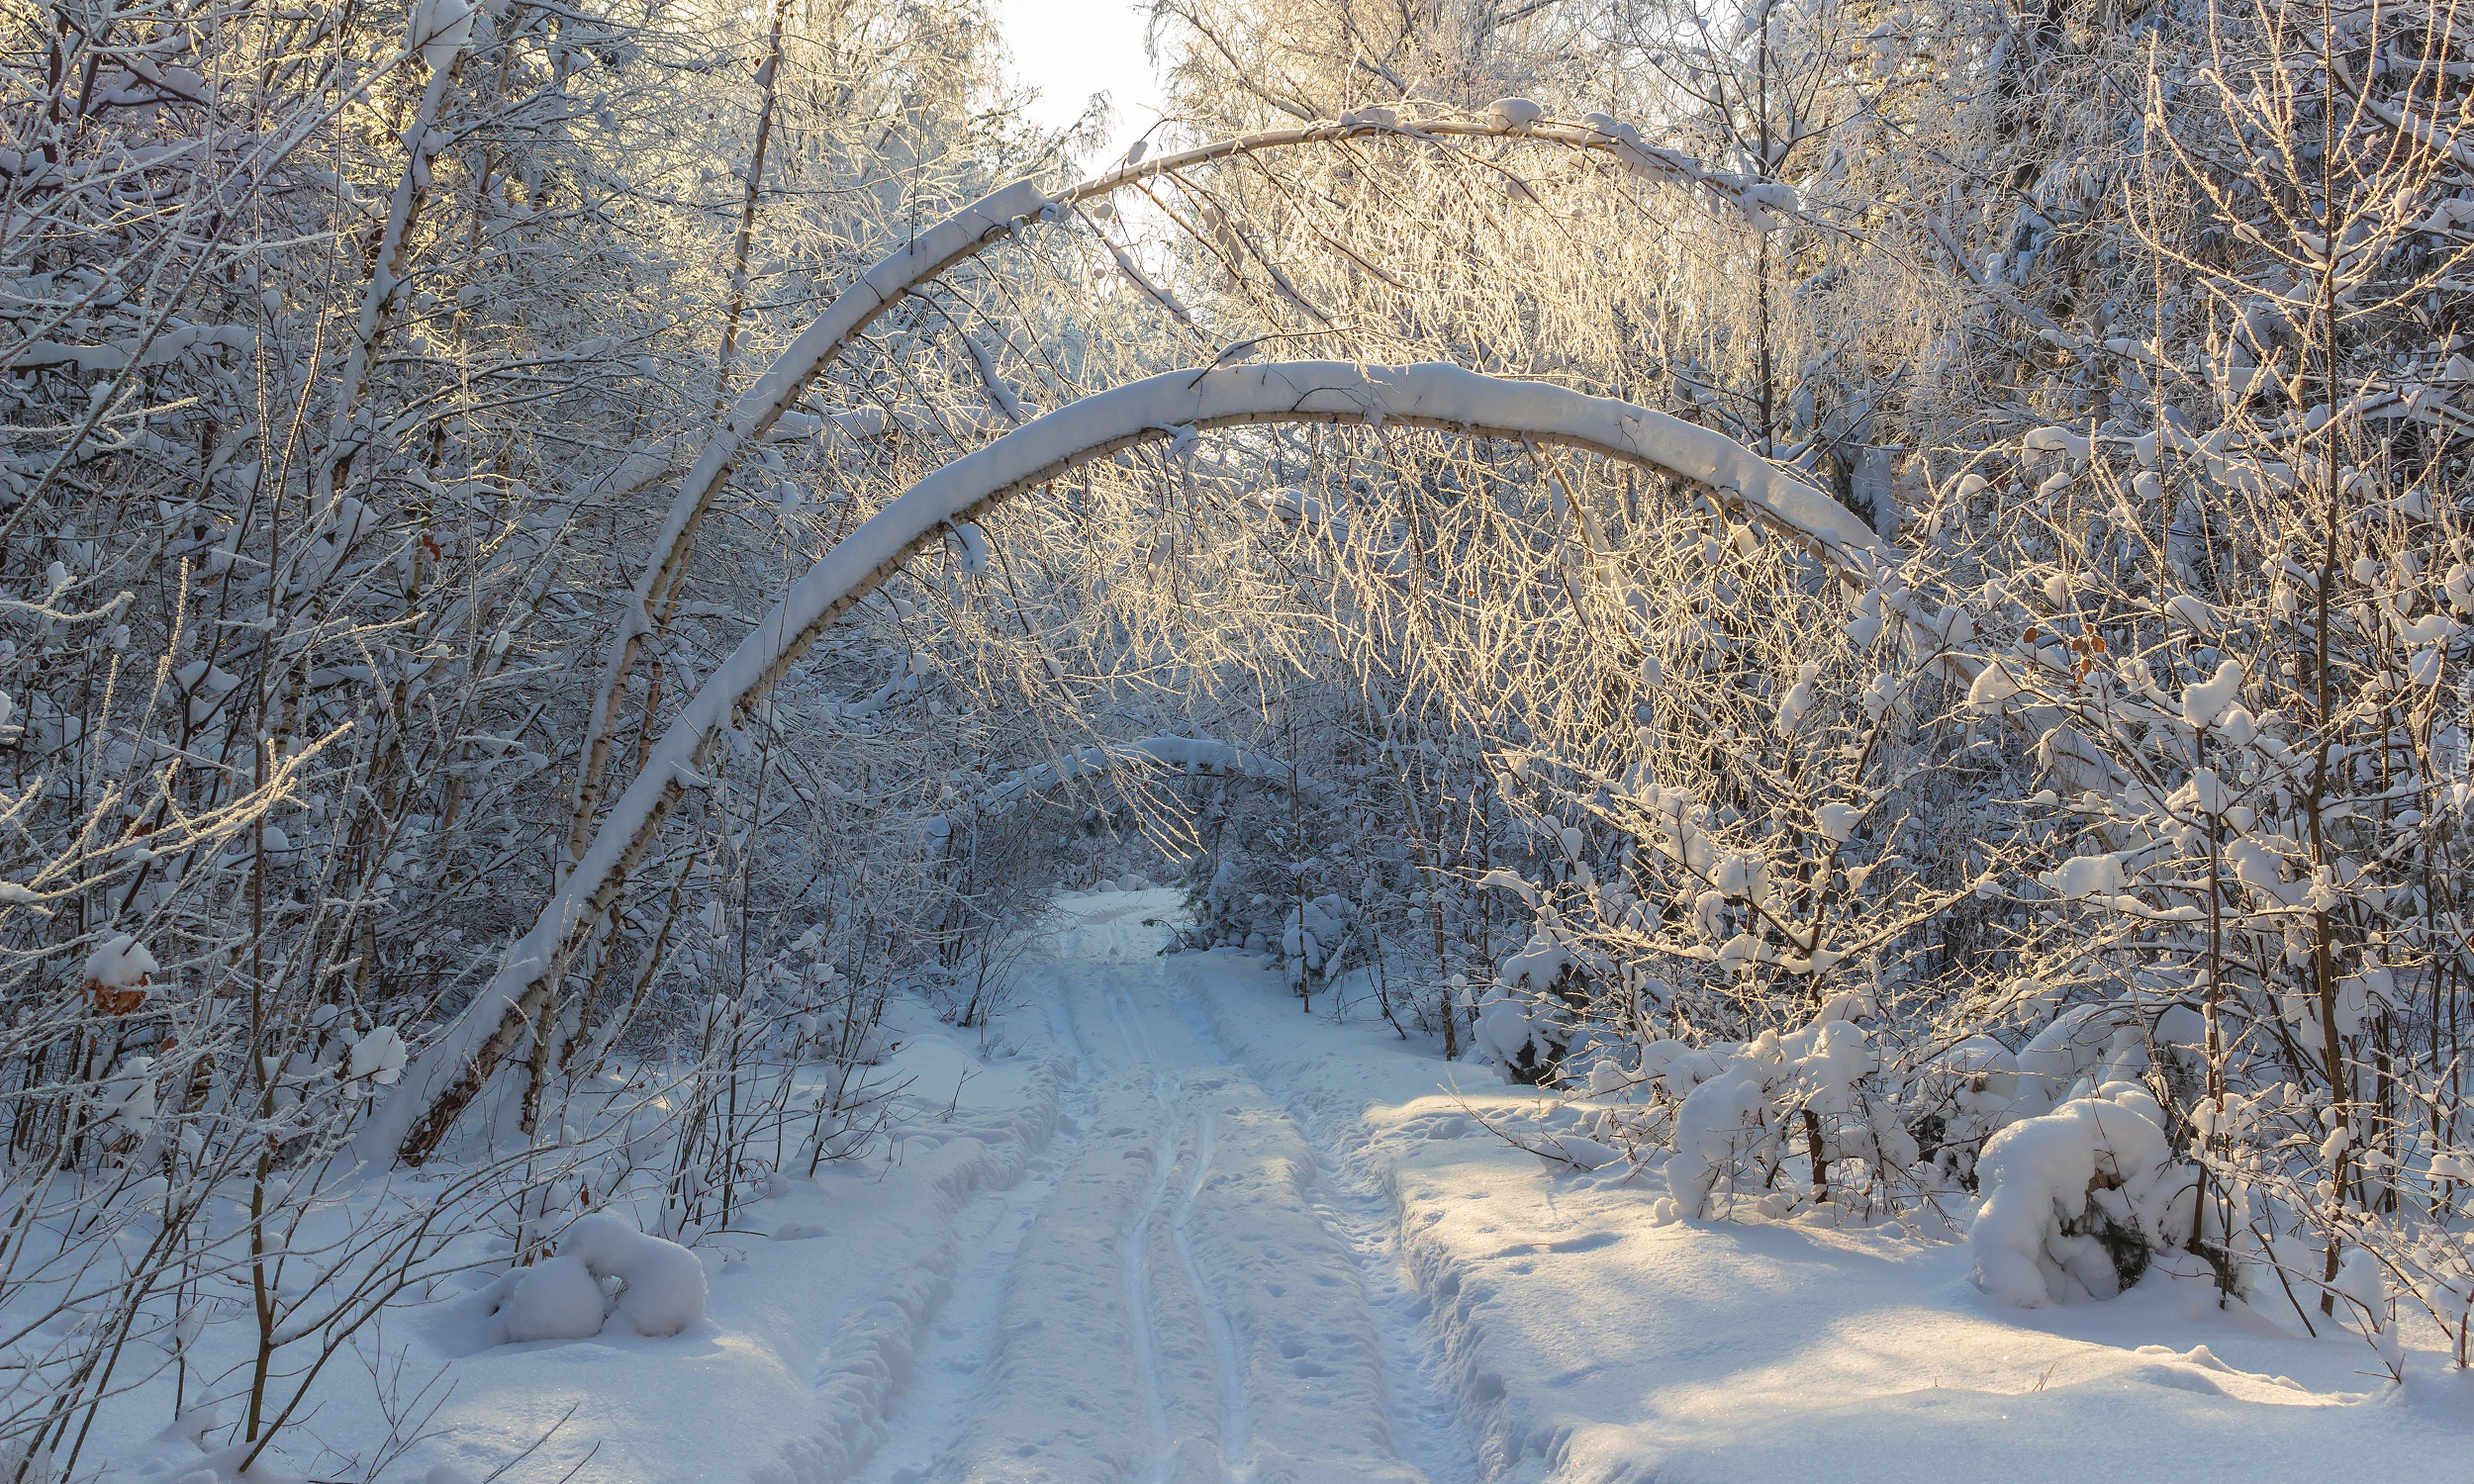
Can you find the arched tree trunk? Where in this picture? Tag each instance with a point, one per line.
(963, 236)
(452, 1072)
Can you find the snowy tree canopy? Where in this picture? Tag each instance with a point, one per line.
(1867, 606)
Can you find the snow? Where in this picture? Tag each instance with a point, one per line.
(120, 964)
(2076, 1044)
(1710, 1122)
(1584, 1342)
(128, 1098)
(1157, 1225)
(2042, 1176)
(1176, 1293)
(662, 1284)
(2086, 876)
(439, 30)
(2206, 700)
(557, 1298)
(1514, 112)
(819, 1304)
(1993, 685)
(378, 1057)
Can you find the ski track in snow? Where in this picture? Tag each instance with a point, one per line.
(1184, 1288)
(960, 1335)
(1433, 1436)
(1133, 1263)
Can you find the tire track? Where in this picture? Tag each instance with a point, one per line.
(1133, 1257)
(1236, 1424)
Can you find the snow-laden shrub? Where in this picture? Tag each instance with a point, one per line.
(605, 1266)
(2101, 1044)
(127, 1099)
(118, 973)
(1273, 879)
(2361, 1287)
(2079, 1201)
(1956, 1100)
(1294, 876)
(1314, 935)
(1782, 1118)
(1518, 1032)
(1963, 1094)
(1220, 907)
(1528, 1018)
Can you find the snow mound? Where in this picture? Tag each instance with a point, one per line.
(1514, 114)
(2077, 1200)
(659, 1285)
(554, 1299)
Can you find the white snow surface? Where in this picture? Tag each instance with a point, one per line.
(1159, 1226)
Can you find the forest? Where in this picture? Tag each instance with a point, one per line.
(676, 695)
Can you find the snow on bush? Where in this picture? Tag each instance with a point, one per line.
(1514, 112)
(2078, 1201)
(377, 1056)
(1744, 1112)
(1716, 1126)
(118, 973)
(439, 30)
(1524, 1020)
(2361, 1286)
(2092, 1044)
(605, 1266)
(128, 1099)
(1957, 1099)
(1312, 938)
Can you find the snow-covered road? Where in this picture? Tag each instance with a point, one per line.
(1182, 1289)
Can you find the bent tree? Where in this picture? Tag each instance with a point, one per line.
(1001, 217)
(998, 219)
(452, 1072)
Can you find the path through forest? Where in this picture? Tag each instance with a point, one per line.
(1184, 1288)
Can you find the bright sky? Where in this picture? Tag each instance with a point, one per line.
(1070, 49)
